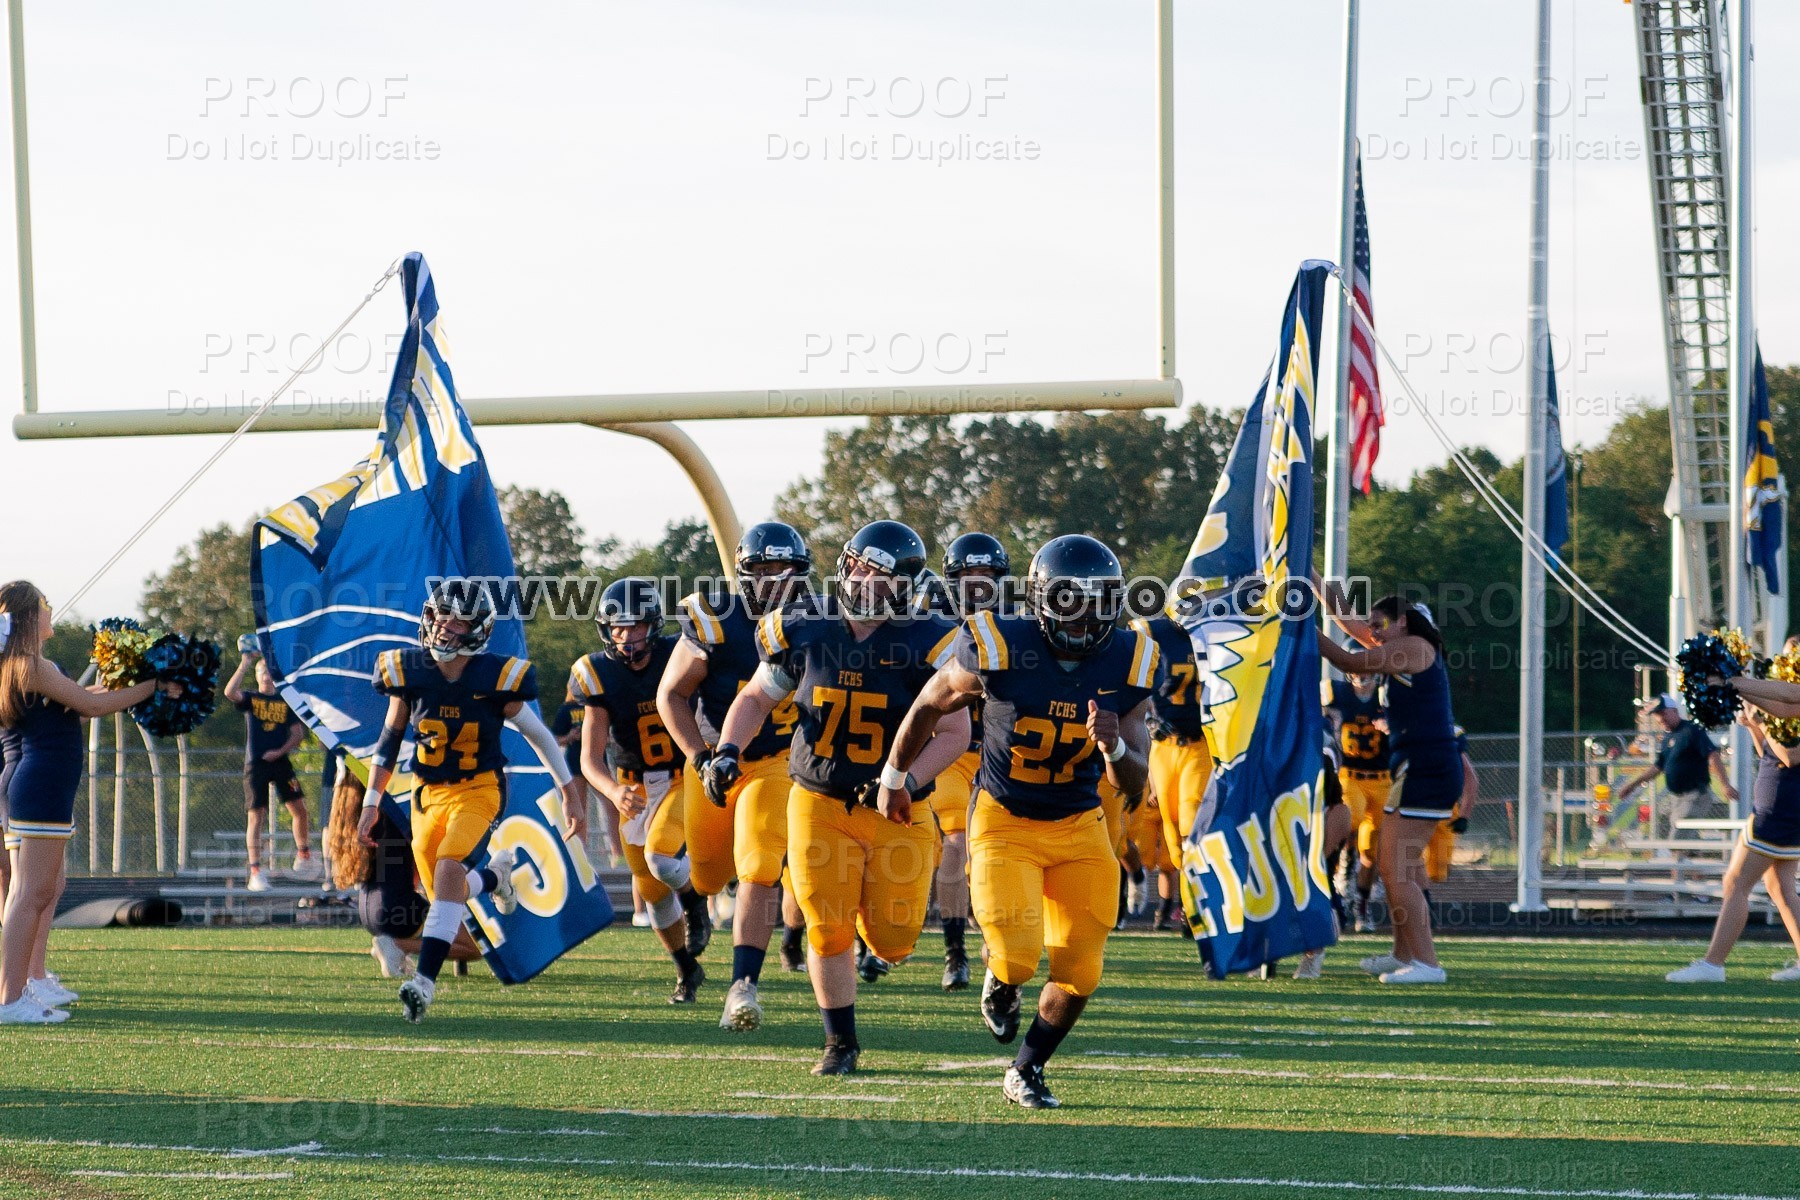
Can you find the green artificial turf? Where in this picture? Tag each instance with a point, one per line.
(274, 1062)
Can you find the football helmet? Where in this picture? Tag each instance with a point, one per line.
(451, 601)
(975, 563)
(633, 600)
(892, 557)
(1076, 589)
(772, 563)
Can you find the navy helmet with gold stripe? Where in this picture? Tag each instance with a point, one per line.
(772, 563)
(456, 601)
(892, 558)
(1076, 589)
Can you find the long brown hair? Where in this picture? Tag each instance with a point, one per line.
(18, 662)
(351, 863)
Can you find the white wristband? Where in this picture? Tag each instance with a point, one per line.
(1119, 750)
(371, 799)
(893, 777)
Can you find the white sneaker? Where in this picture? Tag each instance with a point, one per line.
(1415, 972)
(1698, 971)
(50, 993)
(1380, 964)
(743, 1012)
(308, 866)
(27, 1010)
(258, 881)
(415, 997)
(506, 896)
(1137, 896)
(724, 906)
(1312, 965)
(640, 920)
(387, 952)
(1787, 974)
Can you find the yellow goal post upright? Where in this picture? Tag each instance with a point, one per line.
(649, 415)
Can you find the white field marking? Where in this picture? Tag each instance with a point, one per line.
(1339, 1033)
(970, 1064)
(299, 1148)
(1073, 1177)
(307, 1148)
(1154, 1054)
(433, 1048)
(1218, 1181)
(526, 1132)
(241, 1175)
(802, 1096)
(1249, 1042)
(1572, 1081)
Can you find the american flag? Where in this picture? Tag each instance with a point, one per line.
(1366, 416)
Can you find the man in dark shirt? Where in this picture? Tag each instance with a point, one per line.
(1683, 759)
(272, 733)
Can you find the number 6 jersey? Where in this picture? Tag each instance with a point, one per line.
(456, 723)
(1036, 757)
(851, 695)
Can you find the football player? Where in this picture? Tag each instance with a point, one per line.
(741, 832)
(1065, 695)
(974, 566)
(455, 698)
(617, 685)
(853, 667)
(1181, 761)
(1354, 713)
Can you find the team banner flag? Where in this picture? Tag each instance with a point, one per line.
(340, 574)
(1556, 474)
(1253, 880)
(1762, 485)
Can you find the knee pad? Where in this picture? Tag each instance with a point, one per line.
(671, 869)
(442, 920)
(666, 911)
(829, 941)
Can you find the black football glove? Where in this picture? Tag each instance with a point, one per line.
(721, 773)
(867, 795)
(1460, 825)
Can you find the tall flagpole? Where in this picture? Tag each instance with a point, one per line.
(1337, 502)
(1743, 359)
(1531, 601)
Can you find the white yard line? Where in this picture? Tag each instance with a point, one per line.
(237, 1175)
(804, 1096)
(1237, 1183)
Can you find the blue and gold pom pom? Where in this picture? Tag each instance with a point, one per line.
(126, 653)
(1724, 654)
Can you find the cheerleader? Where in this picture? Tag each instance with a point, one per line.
(1770, 846)
(1401, 643)
(40, 735)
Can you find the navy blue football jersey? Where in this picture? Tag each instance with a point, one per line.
(456, 723)
(1361, 744)
(1178, 702)
(637, 738)
(851, 695)
(720, 627)
(1036, 757)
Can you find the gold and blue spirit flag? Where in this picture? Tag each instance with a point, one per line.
(1253, 882)
(340, 574)
(1762, 485)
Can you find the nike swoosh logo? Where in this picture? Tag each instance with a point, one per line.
(1108, 691)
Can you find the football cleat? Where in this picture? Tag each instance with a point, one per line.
(1415, 972)
(415, 997)
(838, 1059)
(1000, 1008)
(1698, 971)
(687, 985)
(506, 896)
(793, 950)
(1026, 1088)
(386, 951)
(699, 922)
(956, 971)
(871, 966)
(743, 1011)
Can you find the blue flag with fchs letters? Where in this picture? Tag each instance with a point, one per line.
(1253, 880)
(340, 574)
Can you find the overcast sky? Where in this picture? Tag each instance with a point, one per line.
(632, 196)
